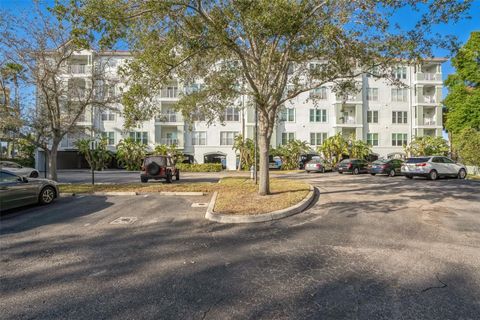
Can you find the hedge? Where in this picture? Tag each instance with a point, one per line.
(24, 162)
(199, 167)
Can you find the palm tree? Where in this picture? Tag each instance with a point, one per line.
(334, 148)
(359, 149)
(131, 153)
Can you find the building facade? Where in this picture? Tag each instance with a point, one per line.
(385, 116)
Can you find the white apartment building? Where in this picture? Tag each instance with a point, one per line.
(382, 115)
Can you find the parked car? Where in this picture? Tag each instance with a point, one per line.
(159, 167)
(15, 168)
(392, 167)
(354, 166)
(274, 163)
(317, 165)
(17, 191)
(433, 167)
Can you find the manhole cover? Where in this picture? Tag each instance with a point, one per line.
(124, 220)
(199, 204)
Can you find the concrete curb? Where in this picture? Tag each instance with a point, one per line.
(64, 194)
(188, 193)
(275, 215)
(115, 193)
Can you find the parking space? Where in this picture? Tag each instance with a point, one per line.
(370, 247)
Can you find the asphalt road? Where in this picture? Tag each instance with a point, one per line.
(369, 248)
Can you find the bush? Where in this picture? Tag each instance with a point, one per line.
(25, 162)
(199, 167)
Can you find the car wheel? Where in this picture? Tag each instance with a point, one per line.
(169, 177)
(462, 174)
(47, 195)
(144, 179)
(373, 174)
(323, 169)
(355, 171)
(153, 169)
(34, 174)
(177, 175)
(339, 172)
(307, 171)
(408, 176)
(433, 175)
(392, 173)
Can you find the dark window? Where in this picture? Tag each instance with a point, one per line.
(417, 160)
(8, 177)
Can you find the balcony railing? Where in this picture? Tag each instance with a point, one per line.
(349, 97)
(427, 99)
(429, 121)
(169, 141)
(428, 77)
(78, 68)
(346, 120)
(170, 92)
(166, 117)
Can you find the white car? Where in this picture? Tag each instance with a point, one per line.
(433, 167)
(19, 170)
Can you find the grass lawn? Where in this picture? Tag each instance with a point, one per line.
(474, 177)
(236, 195)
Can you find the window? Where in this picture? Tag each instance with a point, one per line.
(140, 137)
(227, 137)
(110, 136)
(399, 117)
(108, 116)
(199, 138)
(399, 139)
(198, 116)
(372, 94)
(317, 138)
(287, 136)
(232, 114)
(400, 73)
(372, 139)
(318, 115)
(399, 94)
(319, 93)
(287, 114)
(372, 116)
(8, 177)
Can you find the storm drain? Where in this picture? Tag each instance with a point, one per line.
(199, 205)
(124, 220)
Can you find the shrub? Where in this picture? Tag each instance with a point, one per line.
(199, 167)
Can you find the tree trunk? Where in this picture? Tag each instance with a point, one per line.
(264, 178)
(52, 161)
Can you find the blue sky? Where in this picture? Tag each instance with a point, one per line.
(462, 29)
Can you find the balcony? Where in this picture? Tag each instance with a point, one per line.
(348, 116)
(166, 117)
(429, 122)
(169, 93)
(428, 77)
(169, 141)
(349, 97)
(79, 69)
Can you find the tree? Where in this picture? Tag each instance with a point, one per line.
(42, 45)
(246, 150)
(333, 149)
(97, 158)
(427, 146)
(358, 149)
(130, 153)
(466, 144)
(290, 153)
(171, 150)
(262, 49)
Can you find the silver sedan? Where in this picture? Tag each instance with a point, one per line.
(17, 191)
(15, 168)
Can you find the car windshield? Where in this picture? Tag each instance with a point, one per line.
(346, 161)
(416, 160)
(161, 161)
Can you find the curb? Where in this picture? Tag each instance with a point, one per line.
(64, 194)
(188, 193)
(275, 215)
(115, 193)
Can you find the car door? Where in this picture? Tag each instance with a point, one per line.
(11, 192)
(451, 166)
(439, 165)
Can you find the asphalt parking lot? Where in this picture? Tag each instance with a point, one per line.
(369, 248)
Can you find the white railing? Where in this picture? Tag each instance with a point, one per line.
(78, 68)
(170, 92)
(166, 117)
(347, 120)
(429, 76)
(169, 141)
(349, 97)
(429, 121)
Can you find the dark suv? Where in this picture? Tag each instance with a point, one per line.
(159, 167)
(354, 166)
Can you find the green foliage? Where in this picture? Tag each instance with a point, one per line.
(130, 153)
(463, 100)
(466, 143)
(427, 146)
(358, 149)
(25, 162)
(97, 158)
(199, 167)
(246, 149)
(171, 150)
(290, 153)
(333, 149)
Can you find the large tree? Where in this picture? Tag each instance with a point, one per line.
(55, 96)
(262, 49)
